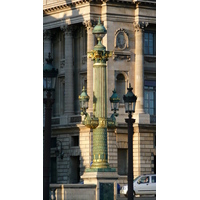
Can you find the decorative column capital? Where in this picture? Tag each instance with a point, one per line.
(67, 29)
(140, 26)
(89, 24)
(47, 35)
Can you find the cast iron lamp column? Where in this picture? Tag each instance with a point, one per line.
(49, 78)
(99, 122)
(130, 100)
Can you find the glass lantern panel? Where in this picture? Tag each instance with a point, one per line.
(83, 104)
(49, 83)
(112, 105)
(130, 107)
(116, 106)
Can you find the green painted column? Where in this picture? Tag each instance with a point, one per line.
(99, 121)
(100, 154)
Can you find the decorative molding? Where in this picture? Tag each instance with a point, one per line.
(121, 55)
(67, 29)
(125, 74)
(57, 7)
(140, 26)
(47, 34)
(84, 59)
(89, 24)
(121, 40)
(62, 63)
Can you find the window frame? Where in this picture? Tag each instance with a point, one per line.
(154, 43)
(150, 87)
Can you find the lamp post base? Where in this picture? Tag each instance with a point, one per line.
(106, 183)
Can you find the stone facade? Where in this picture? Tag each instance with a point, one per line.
(68, 37)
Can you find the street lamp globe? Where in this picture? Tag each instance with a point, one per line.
(84, 99)
(129, 100)
(114, 101)
(49, 75)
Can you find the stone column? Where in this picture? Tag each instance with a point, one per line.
(47, 44)
(69, 82)
(90, 46)
(139, 73)
(139, 65)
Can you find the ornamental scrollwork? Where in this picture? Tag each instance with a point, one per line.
(99, 56)
(140, 26)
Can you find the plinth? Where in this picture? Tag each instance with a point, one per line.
(105, 181)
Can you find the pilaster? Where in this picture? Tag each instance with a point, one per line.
(69, 82)
(47, 36)
(90, 45)
(139, 115)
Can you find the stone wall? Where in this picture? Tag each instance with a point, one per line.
(73, 191)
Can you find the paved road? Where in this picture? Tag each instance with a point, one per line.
(144, 197)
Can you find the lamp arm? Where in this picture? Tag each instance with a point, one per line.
(112, 117)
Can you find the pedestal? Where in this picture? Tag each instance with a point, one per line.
(106, 183)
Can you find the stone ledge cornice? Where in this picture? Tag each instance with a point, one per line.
(57, 7)
(145, 2)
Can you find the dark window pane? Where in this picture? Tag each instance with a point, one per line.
(153, 179)
(75, 141)
(53, 142)
(149, 43)
(122, 161)
(53, 170)
(145, 50)
(150, 50)
(146, 35)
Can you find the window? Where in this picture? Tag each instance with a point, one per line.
(150, 97)
(53, 170)
(53, 142)
(75, 140)
(122, 161)
(120, 86)
(153, 179)
(144, 179)
(149, 43)
(62, 96)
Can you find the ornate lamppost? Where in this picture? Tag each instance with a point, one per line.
(49, 80)
(130, 100)
(99, 122)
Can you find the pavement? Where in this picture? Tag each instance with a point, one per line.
(137, 197)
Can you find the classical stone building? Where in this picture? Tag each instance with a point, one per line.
(131, 35)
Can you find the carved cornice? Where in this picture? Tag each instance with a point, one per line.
(144, 1)
(57, 7)
(89, 24)
(140, 26)
(67, 29)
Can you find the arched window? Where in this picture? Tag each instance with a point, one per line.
(120, 86)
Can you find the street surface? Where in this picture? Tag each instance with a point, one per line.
(144, 197)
